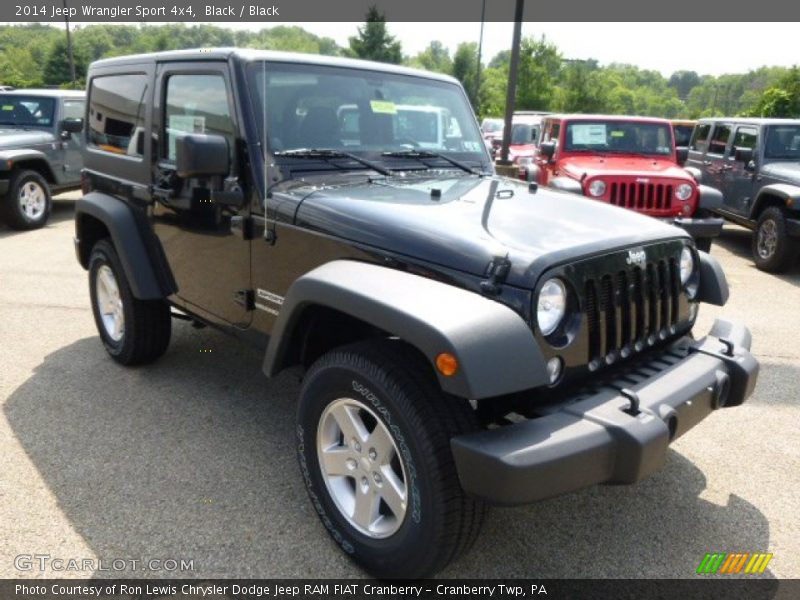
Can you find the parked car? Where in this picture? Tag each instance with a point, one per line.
(682, 129)
(756, 164)
(40, 152)
(630, 162)
(492, 128)
(465, 339)
(525, 128)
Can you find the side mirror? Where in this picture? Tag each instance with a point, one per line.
(70, 126)
(681, 154)
(547, 149)
(744, 155)
(201, 155)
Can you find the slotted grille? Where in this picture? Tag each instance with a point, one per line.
(631, 309)
(641, 196)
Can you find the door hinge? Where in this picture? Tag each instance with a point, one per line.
(245, 298)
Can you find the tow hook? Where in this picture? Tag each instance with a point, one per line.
(633, 397)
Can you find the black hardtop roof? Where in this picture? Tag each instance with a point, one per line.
(247, 54)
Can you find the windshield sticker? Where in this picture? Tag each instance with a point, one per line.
(8, 107)
(472, 146)
(617, 134)
(383, 107)
(591, 133)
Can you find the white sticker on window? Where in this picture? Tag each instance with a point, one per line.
(590, 133)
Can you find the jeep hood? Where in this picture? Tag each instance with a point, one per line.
(462, 222)
(635, 166)
(12, 138)
(788, 171)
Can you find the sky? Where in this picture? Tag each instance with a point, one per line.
(664, 47)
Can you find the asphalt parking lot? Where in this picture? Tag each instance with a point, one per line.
(192, 458)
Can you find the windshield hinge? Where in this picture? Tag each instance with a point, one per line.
(496, 274)
(245, 299)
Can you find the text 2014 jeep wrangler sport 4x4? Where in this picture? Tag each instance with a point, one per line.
(468, 339)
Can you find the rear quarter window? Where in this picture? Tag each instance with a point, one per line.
(116, 114)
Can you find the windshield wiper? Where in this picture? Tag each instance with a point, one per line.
(421, 154)
(327, 153)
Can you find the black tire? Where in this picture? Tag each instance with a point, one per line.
(777, 257)
(703, 244)
(11, 206)
(147, 323)
(441, 521)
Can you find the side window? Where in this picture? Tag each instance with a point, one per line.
(745, 137)
(116, 113)
(196, 104)
(700, 137)
(73, 109)
(719, 140)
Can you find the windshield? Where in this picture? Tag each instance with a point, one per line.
(619, 137)
(783, 142)
(26, 111)
(522, 133)
(363, 112)
(492, 125)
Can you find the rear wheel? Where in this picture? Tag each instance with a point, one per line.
(773, 250)
(133, 331)
(27, 205)
(374, 435)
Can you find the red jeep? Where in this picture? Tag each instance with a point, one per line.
(630, 162)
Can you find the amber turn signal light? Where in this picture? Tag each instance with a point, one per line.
(447, 364)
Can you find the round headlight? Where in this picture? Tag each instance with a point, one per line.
(597, 188)
(687, 265)
(551, 305)
(683, 191)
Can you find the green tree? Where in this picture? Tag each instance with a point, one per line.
(465, 68)
(539, 66)
(683, 82)
(373, 41)
(436, 57)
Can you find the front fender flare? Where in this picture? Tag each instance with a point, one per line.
(783, 191)
(129, 241)
(567, 184)
(8, 158)
(709, 198)
(496, 350)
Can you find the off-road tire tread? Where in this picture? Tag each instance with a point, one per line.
(781, 261)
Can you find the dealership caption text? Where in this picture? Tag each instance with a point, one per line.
(279, 591)
(143, 12)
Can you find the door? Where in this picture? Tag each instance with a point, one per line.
(72, 108)
(715, 162)
(209, 259)
(698, 144)
(738, 184)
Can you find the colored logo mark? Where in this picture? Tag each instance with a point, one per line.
(736, 562)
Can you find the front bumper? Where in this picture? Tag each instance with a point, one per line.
(597, 437)
(699, 229)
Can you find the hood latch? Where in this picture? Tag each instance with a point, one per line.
(496, 273)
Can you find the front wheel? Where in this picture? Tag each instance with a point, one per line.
(374, 435)
(133, 331)
(28, 203)
(773, 250)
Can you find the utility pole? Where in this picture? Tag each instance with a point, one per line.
(69, 45)
(478, 69)
(511, 92)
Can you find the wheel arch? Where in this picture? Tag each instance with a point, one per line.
(778, 194)
(27, 160)
(99, 215)
(496, 350)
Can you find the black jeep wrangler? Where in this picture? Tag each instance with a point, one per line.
(756, 165)
(468, 339)
(40, 152)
